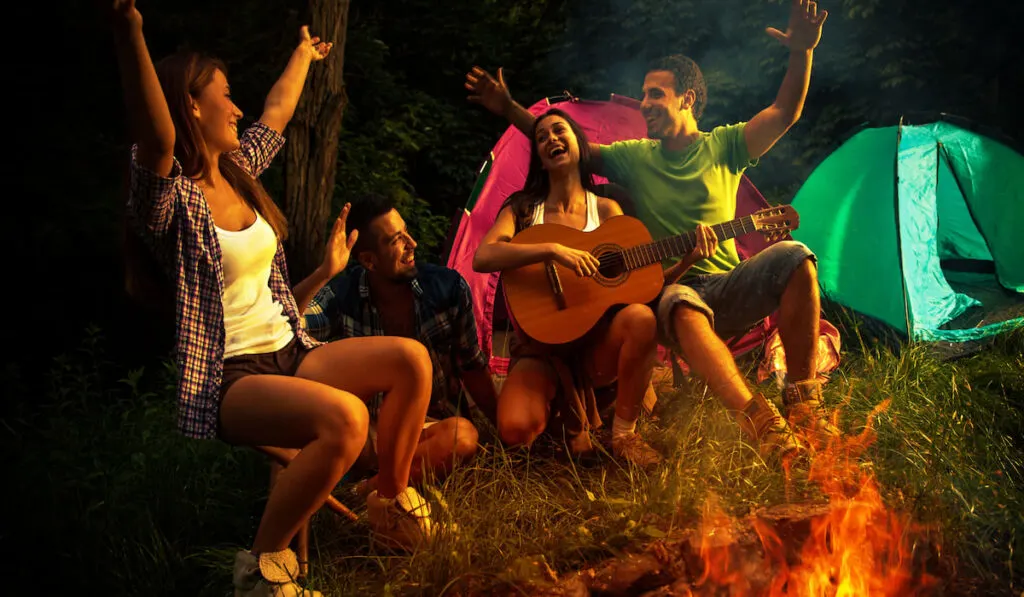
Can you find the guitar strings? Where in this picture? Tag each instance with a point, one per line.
(618, 258)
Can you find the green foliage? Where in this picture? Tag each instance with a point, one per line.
(109, 492)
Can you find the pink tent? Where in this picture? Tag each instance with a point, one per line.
(504, 172)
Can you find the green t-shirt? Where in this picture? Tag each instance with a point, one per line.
(673, 191)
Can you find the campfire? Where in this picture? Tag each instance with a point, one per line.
(849, 544)
(855, 546)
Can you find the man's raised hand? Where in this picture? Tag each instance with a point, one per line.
(487, 91)
(339, 245)
(804, 30)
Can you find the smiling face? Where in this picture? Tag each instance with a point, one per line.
(556, 143)
(392, 252)
(217, 115)
(662, 107)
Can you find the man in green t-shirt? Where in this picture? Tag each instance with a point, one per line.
(682, 179)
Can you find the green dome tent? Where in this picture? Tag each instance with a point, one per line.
(921, 227)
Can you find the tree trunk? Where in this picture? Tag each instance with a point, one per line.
(312, 148)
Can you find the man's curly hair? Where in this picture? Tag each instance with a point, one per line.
(687, 75)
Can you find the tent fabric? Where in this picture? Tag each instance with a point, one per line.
(504, 172)
(886, 208)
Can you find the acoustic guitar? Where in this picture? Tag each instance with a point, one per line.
(554, 305)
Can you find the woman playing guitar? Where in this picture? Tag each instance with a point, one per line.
(555, 388)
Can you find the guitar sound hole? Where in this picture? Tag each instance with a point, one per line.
(611, 266)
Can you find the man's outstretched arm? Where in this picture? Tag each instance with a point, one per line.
(801, 36)
(492, 93)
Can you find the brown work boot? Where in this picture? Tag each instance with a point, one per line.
(272, 574)
(633, 448)
(762, 423)
(807, 411)
(401, 523)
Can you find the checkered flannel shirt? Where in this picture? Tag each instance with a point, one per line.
(172, 216)
(444, 324)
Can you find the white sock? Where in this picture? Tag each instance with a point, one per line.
(621, 427)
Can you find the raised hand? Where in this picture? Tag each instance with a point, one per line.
(804, 29)
(339, 245)
(317, 49)
(487, 91)
(581, 262)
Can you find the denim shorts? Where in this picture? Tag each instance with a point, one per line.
(735, 301)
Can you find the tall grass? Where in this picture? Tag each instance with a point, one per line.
(113, 499)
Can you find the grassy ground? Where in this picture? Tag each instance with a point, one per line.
(107, 496)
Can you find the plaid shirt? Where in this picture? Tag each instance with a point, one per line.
(444, 324)
(172, 216)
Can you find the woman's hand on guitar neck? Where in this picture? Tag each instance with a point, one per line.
(581, 262)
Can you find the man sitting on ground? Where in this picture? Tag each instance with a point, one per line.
(388, 294)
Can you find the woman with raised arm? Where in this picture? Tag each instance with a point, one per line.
(556, 388)
(249, 374)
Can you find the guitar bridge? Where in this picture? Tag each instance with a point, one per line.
(556, 285)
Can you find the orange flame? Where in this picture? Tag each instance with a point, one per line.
(717, 532)
(858, 548)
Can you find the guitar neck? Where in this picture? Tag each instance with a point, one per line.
(681, 244)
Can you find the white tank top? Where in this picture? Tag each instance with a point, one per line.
(593, 218)
(253, 322)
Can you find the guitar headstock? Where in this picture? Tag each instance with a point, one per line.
(775, 222)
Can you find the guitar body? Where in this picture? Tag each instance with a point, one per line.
(531, 291)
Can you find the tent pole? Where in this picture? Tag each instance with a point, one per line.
(899, 240)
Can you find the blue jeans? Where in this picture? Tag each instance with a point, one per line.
(737, 300)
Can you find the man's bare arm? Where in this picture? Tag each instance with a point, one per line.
(492, 93)
(802, 36)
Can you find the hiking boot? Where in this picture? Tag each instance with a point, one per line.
(806, 409)
(401, 523)
(272, 574)
(762, 423)
(634, 449)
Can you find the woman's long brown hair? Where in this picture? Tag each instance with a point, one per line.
(538, 185)
(182, 78)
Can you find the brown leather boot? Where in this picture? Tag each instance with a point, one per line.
(806, 409)
(763, 424)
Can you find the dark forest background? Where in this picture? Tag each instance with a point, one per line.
(408, 129)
